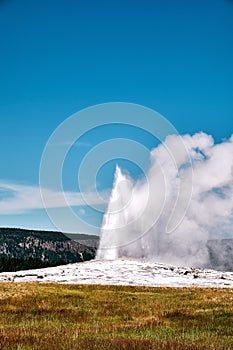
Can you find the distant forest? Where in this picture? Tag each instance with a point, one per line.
(22, 249)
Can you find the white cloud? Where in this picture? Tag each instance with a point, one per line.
(18, 199)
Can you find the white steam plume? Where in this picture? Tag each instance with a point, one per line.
(135, 224)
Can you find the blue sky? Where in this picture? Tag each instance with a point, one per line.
(58, 57)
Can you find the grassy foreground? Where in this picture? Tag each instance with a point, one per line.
(52, 316)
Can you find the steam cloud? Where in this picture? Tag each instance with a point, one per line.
(135, 224)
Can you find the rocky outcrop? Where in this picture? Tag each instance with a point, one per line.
(29, 249)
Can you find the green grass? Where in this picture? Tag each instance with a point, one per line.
(53, 316)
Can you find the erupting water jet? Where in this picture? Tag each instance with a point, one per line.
(138, 212)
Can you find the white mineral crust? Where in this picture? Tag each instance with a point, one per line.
(124, 272)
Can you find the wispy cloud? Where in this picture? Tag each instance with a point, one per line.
(19, 199)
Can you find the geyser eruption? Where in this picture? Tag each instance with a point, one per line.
(115, 214)
(138, 214)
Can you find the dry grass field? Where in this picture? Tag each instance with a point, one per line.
(55, 316)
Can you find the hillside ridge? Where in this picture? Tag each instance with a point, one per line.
(26, 249)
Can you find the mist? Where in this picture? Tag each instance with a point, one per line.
(184, 200)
